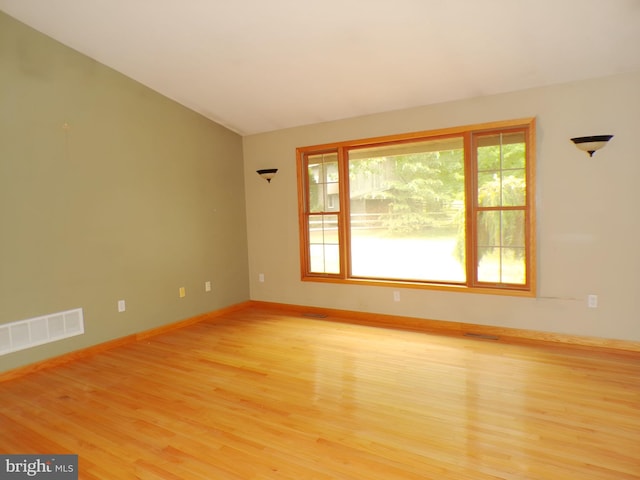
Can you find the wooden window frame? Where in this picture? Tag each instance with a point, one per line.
(472, 285)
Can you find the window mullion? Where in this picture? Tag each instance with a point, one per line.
(471, 189)
(344, 223)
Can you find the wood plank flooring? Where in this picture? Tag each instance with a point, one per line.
(261, 395)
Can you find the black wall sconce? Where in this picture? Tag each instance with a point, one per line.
(267, 173)
(591, 144)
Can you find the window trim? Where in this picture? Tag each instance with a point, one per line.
(468, 132)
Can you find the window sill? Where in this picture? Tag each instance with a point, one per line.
(505, 291)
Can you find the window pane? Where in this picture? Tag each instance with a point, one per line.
(513, 226)
(322, 170)
(507, 189)
(407, 211)
(325, 259)
(502, 189)
(501, 247)
(489, 228)
(316, 198)
(514, 188)
(513, 151)
(489, 191)
(324, 253)
(501, 170)
(502, 265)
(489, 158)
(501, 228)
(501, 151)
(323, 197)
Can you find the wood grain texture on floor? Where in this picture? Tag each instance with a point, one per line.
(264, 395)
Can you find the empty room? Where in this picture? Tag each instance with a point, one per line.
(319, 239)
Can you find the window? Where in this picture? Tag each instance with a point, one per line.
(449, 209)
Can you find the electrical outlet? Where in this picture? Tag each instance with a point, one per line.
(121, 306)
(182, 292)
(261, 277)
(207, 286)
(592, 301)
(396, 296)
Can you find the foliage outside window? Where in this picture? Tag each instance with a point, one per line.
(448, 209)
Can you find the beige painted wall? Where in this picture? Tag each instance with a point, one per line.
(588, 220)
(139, 197)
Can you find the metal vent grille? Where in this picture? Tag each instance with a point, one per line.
(40, 330)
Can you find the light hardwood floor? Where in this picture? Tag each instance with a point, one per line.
(260, 395)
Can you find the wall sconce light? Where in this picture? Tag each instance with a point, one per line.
(267, 173)
(591, 144)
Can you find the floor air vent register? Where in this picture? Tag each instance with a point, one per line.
(40, 330)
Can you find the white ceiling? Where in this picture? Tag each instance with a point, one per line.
(262, 65)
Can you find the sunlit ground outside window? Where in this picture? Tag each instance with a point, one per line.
(413, 257)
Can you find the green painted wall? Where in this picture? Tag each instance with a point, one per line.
(109, 191)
